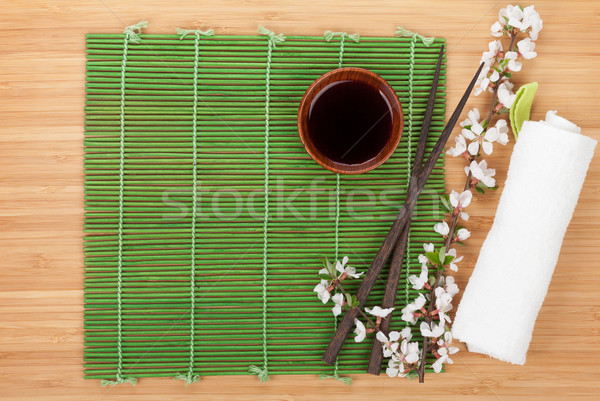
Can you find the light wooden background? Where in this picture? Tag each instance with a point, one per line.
(41, 186)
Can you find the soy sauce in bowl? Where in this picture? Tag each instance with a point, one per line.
(350, 120)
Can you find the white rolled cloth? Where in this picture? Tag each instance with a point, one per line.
(510, 280)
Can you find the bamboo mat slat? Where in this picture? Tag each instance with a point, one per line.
(158, 173)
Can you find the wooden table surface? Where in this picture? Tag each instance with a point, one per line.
(41, 185)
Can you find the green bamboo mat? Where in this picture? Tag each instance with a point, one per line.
(139, 318)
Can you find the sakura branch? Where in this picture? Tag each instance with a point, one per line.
(477, 136)
(429, 310)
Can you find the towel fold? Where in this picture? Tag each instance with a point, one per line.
(509, 283)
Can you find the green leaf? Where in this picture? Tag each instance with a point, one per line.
(433, 257)
(355, 302)
(481, 186)
(445, 200)
(442, 253)
(349, 299)
(330, 267)
(507, 74)
(324, 276)
(480, 190)
(448, 259)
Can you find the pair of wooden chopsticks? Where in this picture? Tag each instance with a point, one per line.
(396, 237)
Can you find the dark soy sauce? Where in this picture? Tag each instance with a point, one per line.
(350, 122)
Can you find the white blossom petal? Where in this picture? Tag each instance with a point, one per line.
(473, 148)
(360, 331)
(379, 311)
(463, 234)
(441, 228)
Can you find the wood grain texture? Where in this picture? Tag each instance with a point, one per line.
(41, 202)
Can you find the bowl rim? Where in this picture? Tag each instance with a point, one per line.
(372, 79)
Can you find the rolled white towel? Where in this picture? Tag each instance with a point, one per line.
(510, 280)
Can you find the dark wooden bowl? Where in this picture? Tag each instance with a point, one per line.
(371, 79)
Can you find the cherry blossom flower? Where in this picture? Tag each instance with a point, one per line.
(428, 248)
(526, 47)
(408, 354)
(459, 148)
(442, 228)
(474, 134)
(460, 200)
(406, 333)
(443, 301)
(497, 29)
(410, 351)
(480, 172)
(512, 63)
(473, 131)
(395, 368)
(483, 82)
(513, 15)
(506, 95)
(494, 47)
(408, 313)
(322, 290)
(523, 19)
(443, 358)
(445, 349)
(532, 22)
(379, 311)
(450, 285)
(418, 282)
(389, 345)
(499, 131)
(360, 331)
(348, 270)
(453, 266)
(432, 330)
(473, 117)
(446, 342)
(338, 300)
(463, 234)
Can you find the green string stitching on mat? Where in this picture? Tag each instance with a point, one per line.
(273, 40)
(130, 35)
(408, 157)
(401, 32)
(329, 35)
(190, 377)
(133, 32)
(184, 32)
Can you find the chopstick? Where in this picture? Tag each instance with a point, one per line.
(420, 177)
(391, 288)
